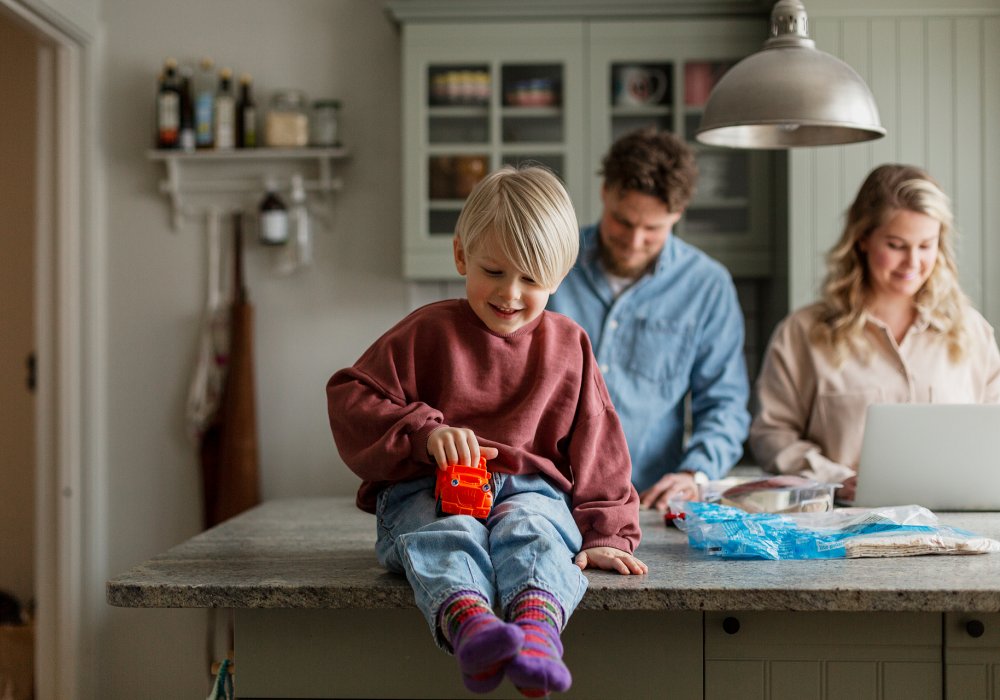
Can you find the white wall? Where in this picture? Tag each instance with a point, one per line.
(933, 70)
(306, 326)
(18, 85)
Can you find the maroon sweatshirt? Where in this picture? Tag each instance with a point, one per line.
(535, 394)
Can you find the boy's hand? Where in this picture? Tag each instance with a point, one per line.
(610, 559)
(449, 445)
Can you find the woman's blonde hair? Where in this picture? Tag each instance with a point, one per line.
(888, 189)
(525, 214)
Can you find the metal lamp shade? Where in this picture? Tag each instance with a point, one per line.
(789, 94)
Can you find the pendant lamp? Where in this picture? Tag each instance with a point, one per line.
(789, 94)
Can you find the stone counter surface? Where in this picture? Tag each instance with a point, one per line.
(319, 553)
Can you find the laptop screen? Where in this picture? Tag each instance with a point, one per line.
(944, 457)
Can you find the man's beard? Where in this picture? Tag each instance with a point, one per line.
(614, 267)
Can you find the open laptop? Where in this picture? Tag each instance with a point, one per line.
(945, 457)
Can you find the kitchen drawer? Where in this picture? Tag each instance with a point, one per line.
(823, 655)
(972, 656)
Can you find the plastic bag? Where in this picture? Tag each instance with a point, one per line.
(845, 533)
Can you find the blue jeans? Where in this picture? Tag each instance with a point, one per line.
(528, 540)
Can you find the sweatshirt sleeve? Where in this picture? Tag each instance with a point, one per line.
(605, 504)
(380, 435)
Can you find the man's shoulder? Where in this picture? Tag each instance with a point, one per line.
(697, 262)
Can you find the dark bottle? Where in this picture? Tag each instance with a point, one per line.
(187, 133)
(246, 115)
(273, 216)
(168, 108)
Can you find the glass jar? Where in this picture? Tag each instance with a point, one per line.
(324, 126)
(287, 121)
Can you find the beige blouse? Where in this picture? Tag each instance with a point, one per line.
(810, 413)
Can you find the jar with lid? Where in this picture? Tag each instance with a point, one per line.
(287, 121)
(324, 125)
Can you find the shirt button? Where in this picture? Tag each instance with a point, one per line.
(605, 369)
(613, 324)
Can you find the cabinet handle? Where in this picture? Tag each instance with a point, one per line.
(730, 625)
(975, 628)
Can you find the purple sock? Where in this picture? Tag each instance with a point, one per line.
(483, 643)
(538, 667)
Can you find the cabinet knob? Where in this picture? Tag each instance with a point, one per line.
(730, 625)
(975, 628)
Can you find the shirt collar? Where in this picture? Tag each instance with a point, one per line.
(921, 323)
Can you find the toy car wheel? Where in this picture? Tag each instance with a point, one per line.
(454, 482)
(486, 487)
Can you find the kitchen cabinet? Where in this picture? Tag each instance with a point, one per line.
(477, 95)
(972, 655)
(731, 215)
(753, 655)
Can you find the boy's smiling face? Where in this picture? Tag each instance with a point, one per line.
(503, 297)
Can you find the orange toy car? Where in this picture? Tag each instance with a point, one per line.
(464, 490)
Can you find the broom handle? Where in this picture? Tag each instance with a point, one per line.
(240, 294)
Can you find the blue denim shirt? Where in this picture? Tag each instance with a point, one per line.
(677, 329)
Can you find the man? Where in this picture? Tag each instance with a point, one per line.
(664, 321)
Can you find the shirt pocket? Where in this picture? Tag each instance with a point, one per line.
(657, 349)
(838, 423)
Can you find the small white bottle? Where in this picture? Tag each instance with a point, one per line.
(300, 224)
(273, 216)
(225, 112)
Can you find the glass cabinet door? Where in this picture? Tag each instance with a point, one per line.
(660, 74)
(641, 95)
(501, 95)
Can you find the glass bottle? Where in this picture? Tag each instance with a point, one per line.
(187, 133)
(246, 114)
(273, 216)
(204, 104)
(225, 112)
(168, 108)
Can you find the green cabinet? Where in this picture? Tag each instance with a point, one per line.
(477, 95)
(823, 656)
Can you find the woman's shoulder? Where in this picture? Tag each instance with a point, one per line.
(977, 325)
(802, 319)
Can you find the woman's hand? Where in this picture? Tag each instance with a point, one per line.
(449, 445)
(610, 559)
(846, 492)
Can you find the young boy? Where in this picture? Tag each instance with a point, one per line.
(494, 375)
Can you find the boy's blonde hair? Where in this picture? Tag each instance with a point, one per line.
(888, 189)
(524, 214)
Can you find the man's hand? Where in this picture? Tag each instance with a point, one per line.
(610, 559)
(673, 485)
(449, 445)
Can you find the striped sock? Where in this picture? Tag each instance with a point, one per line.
(482, 642)
(538, 668)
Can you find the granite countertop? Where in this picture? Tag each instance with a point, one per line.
(319, 553)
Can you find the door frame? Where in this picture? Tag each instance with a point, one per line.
(65, 544)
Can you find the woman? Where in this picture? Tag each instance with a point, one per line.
(893, 327)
